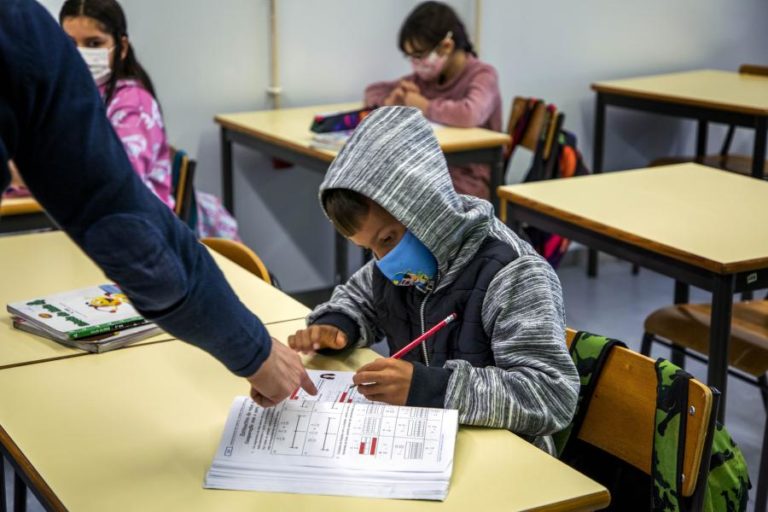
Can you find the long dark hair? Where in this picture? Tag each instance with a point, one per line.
(428, 24)
(111, 17)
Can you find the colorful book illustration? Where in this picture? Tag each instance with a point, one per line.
(78, 314)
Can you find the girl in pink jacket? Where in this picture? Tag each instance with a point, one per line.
(99, 29)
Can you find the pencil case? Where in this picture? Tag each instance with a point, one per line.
(339, 121)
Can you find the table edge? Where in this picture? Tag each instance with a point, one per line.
(634, 93)
(641, 242)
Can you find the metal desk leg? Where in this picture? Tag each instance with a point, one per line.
(3, 496)
(758, 153)
(682, 296)
(227, 191)
(340, 265)
(497, 178)
(597, 167)
(701, 139)
(19, 494)
(719, 337)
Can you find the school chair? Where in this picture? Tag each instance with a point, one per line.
(620, 417)
(535, 126)
(183, 177)
(686, 327)
(724, 160)
(241, 254)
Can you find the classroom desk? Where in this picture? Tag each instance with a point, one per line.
(45, 263)
(285, 134)
(689, 222)
(705, 95)
(19, 214)
(137, 430)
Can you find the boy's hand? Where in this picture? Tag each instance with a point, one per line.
(279, 376)
(385, 380)
(316, 337)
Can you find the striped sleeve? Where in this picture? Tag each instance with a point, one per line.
(353, 299)
(533, 388)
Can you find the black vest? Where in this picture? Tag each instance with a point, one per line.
(399, 311)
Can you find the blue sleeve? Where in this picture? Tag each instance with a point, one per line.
(53, 124)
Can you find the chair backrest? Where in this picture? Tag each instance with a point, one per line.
(621, 415)
(753, 69)
(241, 254)
(183, 173)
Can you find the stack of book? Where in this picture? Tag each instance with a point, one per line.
(336, 443)
(96, 319)
(331, 141)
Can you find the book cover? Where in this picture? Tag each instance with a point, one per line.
(79, 313)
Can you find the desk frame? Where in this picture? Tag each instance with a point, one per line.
(722, 286)
(319, 162)
(704, 116)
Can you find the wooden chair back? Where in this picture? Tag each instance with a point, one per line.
(241, 254)
(183, 184)
(621, 415)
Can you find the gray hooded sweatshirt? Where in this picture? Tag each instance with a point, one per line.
(394, 159)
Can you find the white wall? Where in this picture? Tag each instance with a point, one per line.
(212, 57)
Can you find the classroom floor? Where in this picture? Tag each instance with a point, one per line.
(615, 305)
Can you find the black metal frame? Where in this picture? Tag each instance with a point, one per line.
(722, 286)
(228, 137)
(703, 115)
(25, 222)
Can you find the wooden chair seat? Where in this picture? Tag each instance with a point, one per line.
(688, 326)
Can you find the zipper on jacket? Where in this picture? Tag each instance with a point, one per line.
(424, 327)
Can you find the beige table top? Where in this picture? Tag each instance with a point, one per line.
(45, 263)
(137, 430)
(19, 206)
(703, 216)
(290, 128)
(723, 90)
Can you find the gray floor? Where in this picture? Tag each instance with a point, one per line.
(615, 305)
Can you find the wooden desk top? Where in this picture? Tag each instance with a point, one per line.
(723, 90)
(696, 214)
(45, 263)
(137, 430)
(19, 206)
(290, 128)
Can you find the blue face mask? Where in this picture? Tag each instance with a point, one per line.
(409, 264)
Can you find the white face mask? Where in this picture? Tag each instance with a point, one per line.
(98, 63)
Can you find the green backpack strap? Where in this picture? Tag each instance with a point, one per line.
(669, 436)
(727, 478)
(589, 353)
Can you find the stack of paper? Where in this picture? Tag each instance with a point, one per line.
(342, 445)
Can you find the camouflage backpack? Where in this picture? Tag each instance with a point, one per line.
(727, 481)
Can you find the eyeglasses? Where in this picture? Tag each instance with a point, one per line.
(420, 55)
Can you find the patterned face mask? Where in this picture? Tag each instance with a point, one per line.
(410, 263)
(98, 63)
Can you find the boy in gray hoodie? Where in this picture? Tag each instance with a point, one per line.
(503, 363)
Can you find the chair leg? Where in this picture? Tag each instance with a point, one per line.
(19, 494)
(762, 382)
(645, 346)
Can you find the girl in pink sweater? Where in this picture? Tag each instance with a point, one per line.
(99, 29)
(449, 84)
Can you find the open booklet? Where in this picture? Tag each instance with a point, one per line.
(336, 443)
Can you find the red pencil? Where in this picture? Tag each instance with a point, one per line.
(421, 339)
